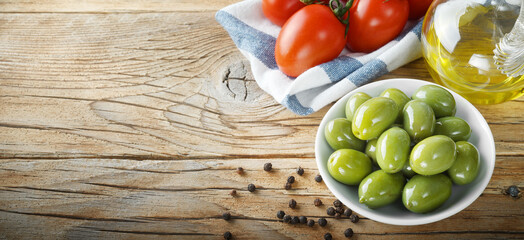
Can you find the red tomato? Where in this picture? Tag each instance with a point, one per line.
(310, 37)
(279, 11)
(418, 8)
(373, 23)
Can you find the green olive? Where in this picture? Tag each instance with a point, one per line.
(354, 102)
(466, 166)
(338, 134)
(380, 188)
(433, 155)
(453, 127)
(373, 117)
(419, 120)
(399, 97)
(407, 171)
(440, 100)
(393, 150)
(424, 194)
(349, 166)
(371, 150)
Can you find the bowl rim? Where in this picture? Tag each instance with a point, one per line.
(424, 219)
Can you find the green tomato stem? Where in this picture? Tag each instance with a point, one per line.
(340, 11)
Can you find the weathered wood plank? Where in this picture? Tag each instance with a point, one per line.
(91, 198)
(101, 6)
(151, 92)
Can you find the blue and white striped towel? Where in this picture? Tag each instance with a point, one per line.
(255, 37)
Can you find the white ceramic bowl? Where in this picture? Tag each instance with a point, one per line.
(396, 213)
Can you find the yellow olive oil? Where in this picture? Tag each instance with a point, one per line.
(465, 63)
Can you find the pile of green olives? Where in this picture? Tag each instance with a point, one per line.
(393, 146)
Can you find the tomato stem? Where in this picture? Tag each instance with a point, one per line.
(340, 11)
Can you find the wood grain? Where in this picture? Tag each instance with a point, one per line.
(127, 120)
(118, 6)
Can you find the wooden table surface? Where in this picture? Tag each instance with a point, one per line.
(128, 119)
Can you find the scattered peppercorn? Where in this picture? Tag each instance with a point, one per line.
(280, 214)
(287, 186)
(337, 203)
(233, 192)
(322, 222)
(513, 191)
(330, 211)
(287, 218)
(291, 179)
(339, 210)
(251, 187)
(338, 215)
(348, 212)
(228, 235)
(300, 171)
(311, 223)
(318, 202)
(268, 166)
(295, 220)
(354, 218)
(348, 233)
(240, 170)
(226, 216)
(303, 219)
(292, 203)
(328, 236)
(318, 178)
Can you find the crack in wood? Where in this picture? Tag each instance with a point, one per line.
(235, 79)
(154, 189)
(56, 190)
(150, 232)
(166, 172)
(165, 158)
(74, 217)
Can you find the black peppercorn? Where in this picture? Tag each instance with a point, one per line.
(291, 179)
(280, 214)
(348, 233)
(513, 191)
(328, 236)
(354, 218)
(337, 203)
(240, 170)
(292, 203)
(233, 192)
(287, 218)
(322, 222)
(300, 171)
(303, 219)
(348, 212)
(251, 187)
(330, 211)
(310, 223)
(318, 178)
(226, 216)
(338, 215)
(295, 220)
(287, 186)
(228, 235)
(318, 202)
(268, 166)
(339, 210)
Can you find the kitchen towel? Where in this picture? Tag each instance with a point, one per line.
(255, 37)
